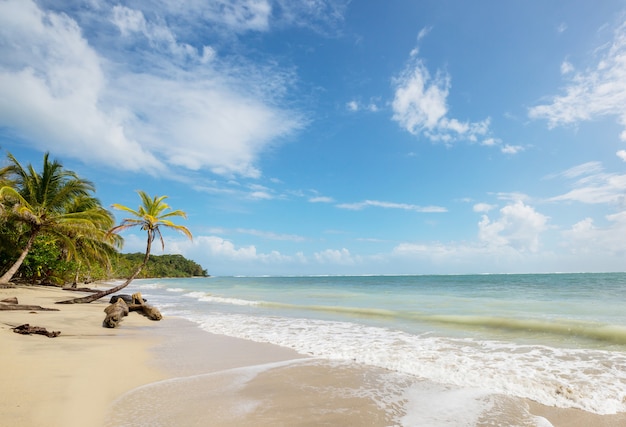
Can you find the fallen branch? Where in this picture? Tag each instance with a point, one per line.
(12, 300)
(26, 329)
(7, 307)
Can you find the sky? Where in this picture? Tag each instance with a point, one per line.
(313, 137)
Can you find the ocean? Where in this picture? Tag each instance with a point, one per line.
(558, 339)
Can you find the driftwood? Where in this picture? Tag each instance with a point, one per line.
(12, 300)
(120, 308)
(128, 299)
(6, 307)
(26, 329)
(115, 314)
(139, 304)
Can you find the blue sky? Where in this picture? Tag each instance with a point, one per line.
(337, 137)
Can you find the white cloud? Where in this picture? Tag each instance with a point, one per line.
(322, 16)
(595, 92)
(354, 106)
(483, 207)
(587, 239)
(566, 67)
(321, 199)
(237, 16)
(423, 33)
(519, 226)
(621, 154)
(592, 185)
(490, 142)
(51, 86)
(512, 149)
(420, 106)
(182, 109)
(335, 256)
(245, 15)
(589, 168)
(390, 205)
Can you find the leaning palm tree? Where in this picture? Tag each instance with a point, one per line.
(37, 201)
(150, 217)
(98, 245)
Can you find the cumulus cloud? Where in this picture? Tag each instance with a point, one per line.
(586, 238)
(519, 226)
(51, 86)
(149, 103)
(390, 205)
(599, 91)
(420, 106)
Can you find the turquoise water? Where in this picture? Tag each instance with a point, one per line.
(559, 339)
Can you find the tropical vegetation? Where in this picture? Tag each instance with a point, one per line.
(152, 214)
(53, 230)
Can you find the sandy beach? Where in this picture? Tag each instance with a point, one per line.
(171, 373)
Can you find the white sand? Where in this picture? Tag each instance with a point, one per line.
(68, 380)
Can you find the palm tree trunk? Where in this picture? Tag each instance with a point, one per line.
(75, 284)
(97, 295)
(6, 277)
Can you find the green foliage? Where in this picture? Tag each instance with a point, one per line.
(158, 266)
(46, 263)
(53, 230)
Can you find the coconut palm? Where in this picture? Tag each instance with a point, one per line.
(98, 245)
(38, 200)
(150, 217)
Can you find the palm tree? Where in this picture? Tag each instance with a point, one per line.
(150, 217)
(38, 200)
(98, 245)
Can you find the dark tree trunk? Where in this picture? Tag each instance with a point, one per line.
(6, 277)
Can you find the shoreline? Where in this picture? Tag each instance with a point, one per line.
(91, 375)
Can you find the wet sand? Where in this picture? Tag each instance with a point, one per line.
(223, 381)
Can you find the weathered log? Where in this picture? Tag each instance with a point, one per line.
(139, 304)
(6, 307)
(12, 300)
(26, 329)
(128, 299)
(149, 311)
(115, 313)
